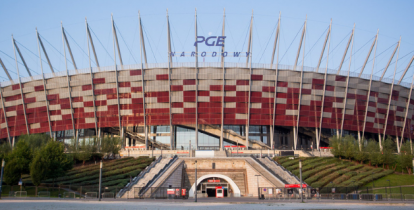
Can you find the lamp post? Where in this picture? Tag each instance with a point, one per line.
(1, 179)
(301, 187)
(195, 183)
(100, 180)
(373, 184)
(258, 189)
(413, 166)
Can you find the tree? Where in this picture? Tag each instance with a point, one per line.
(111, 146)
(84, 150)
(348, 147)
(388, 150)
(5, 149)
(360, 155)
(18, 162)
(372, 149)
(35, 141)
(49, 162)
(335, 143)
(405, 157)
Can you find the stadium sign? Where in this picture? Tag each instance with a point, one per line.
(210, 41)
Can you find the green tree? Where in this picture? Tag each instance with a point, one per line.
(35, 141)
(111, 146)
(373, 152)
(49, 163)
(336, 144)
(18, 162)
(5, 149)
(348, 147)
(405, 157)
(360, 155)
(388, 150)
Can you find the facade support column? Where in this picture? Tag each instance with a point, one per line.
(169, 80)
(276, 44)
(369, 88)
(43, 78)
(143, 53)
(318, 136)
(223, 85)
(91, 74)
(196, 80)
(5, 115)
(301, 79)
(390, 97)
(68, 79)
(250, 49)
(115, 40)
(347, 82)
(20, 82)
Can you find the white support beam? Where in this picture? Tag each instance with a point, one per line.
(69, 49)
(249, 41)
(91, 74)
(43, 78)
(324, 46)
(223, 85)
(390, 97)
(115, 40)
(406, 112)
(196, 78)
(5, 116)
(5, 70)
(39, 40)
(347, 81)
(250, 49)
(21, 56)
(169, 81)
(88, 34)
(406, 69)
(369, 90)
(68, 79)
(346, 51)
(20, 83)
(318, 139)
(389, 61)
(301, 81)
(277, 44)
(369, 54)
(300, 44)
(143, 53)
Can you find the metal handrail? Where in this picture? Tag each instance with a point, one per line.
(139, 177)
(290, 173)
(160, 173)
(269, 170)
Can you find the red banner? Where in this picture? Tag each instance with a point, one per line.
(213, 180)
(295, 185)
(170, 191)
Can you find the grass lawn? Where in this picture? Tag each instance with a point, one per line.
(395, 180)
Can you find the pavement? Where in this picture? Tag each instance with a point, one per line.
(203, 203)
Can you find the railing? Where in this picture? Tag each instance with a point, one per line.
(157, 176)
(269, 170)
(137, 178)
(287, 171)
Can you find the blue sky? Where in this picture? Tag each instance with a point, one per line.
(392, 18)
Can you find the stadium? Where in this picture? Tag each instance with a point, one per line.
(220, 115)
(208, 105)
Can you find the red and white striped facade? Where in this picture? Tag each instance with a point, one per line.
(170, 96)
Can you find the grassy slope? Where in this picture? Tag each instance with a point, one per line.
(116, 174)
(320, 172)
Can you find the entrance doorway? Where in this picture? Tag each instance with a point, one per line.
(209, 187)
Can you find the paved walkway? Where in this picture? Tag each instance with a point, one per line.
(205, 203)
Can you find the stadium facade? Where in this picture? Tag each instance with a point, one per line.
(208, 105)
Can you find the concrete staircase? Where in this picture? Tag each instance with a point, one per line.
(265, 173)
(277, 169)
(144, 180)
